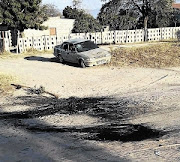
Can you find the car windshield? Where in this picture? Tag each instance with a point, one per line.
(86, 46)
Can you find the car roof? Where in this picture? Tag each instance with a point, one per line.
(75, 41)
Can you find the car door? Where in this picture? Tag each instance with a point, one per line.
(65, 51)
(72, 54)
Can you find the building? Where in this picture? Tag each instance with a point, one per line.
(176, 5)
(56, 26)
(58, 30)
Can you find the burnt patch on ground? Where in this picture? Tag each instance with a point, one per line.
(108, 108)
(126, 133)
(116, 112)
(113, 132)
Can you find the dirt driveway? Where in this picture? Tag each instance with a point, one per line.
(101, 113)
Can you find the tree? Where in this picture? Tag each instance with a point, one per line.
(83, 22)
(76, 3)
(115, 15)
(22, 14)
(145, 8)
(51, 10)
(176, 17)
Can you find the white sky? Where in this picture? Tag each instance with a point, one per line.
(87, 4)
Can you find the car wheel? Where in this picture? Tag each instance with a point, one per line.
(61, 60)
(82, 64)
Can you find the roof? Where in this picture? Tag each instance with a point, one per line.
(3, 28)
(75, 41)
(176, 5)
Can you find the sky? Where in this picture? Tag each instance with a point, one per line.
(93, 6)
(87, 4)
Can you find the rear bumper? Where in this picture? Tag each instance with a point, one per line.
(100, 61)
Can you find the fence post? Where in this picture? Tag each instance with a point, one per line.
(9, 37)
(135, 35)
(126, 36)
(17, 42)
(32, 42)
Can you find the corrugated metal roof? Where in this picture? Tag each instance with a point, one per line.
(176, 5)
(3, 28)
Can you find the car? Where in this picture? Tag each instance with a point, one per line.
(83, 52)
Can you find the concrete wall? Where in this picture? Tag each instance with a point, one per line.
(63, 26)
(47, 42)
(129, 36)
(34, 33)
(7, 39)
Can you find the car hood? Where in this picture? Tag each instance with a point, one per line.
(95, 53)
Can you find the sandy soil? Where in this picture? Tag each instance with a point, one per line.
(95, 111)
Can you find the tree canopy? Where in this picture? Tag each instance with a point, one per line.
(22, 14)
(84, 22)
(129, 14)
(76, 3)
(114, 14)
(51, 10)
(137, 13)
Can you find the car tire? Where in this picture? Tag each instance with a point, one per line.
(61, 60)
(82, 64)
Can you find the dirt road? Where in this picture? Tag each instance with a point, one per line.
(101, 114)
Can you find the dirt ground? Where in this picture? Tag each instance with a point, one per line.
(101, 113)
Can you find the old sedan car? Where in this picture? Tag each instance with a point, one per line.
(81, 51)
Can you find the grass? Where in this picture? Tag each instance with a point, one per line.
(158, 55)
(29, 52)
(5, 83)
(5, 79)
(154, 56)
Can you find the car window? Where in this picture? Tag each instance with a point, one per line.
(86, 46)
(72, 48)
(62, 45)
(65, 46)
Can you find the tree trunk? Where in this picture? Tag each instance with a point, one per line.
(14, 35)
(3, 42)
(145, 28)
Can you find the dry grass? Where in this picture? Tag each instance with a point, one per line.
(29, 52)
(5, 83)
(156, 56)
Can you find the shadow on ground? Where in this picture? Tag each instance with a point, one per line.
(44, 59)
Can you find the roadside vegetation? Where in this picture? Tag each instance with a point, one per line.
(5, 83)
(153, 56)
(30, 52)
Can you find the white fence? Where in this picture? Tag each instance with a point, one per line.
(117, 37)
(7, 39)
